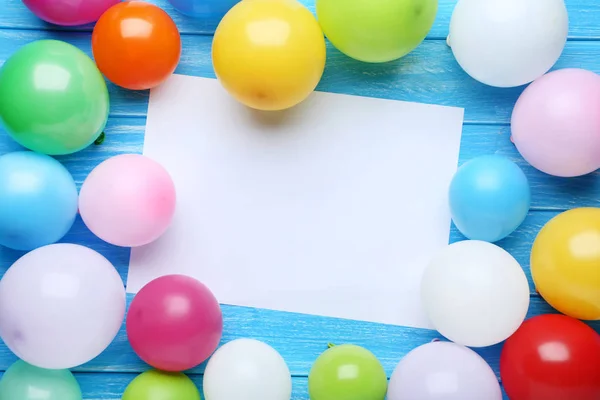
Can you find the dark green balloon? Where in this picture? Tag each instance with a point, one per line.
(53, 98)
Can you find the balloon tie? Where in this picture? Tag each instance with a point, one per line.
(100, 139)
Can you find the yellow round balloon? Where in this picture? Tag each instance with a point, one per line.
(269, 54)
(565, 263)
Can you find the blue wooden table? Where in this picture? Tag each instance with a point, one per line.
(429, 74)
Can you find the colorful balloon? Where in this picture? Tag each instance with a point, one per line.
(136, 45)
(376, 31)
(161, 385)
(247, 369)
(128, 200)
(60, 306)
(555, 124)
(489, 198)
(69, 12)
(174, 323)
(53, 99)
(22, 381)
(210, 10)
(552, 357)
(41, 211)
(565, 263)
(263, 72)
(475, 293)
(347, 372)
(496, 42)
(443, 370)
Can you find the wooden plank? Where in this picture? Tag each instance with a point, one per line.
(126, 135)
(582, 16)
(299, 338)
(428, 75)
(110, 386)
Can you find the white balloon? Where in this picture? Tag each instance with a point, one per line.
(475, 293)
(508, 43)
(60, 306)
(443, 370)
(247, 369)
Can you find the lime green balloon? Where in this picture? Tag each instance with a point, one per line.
(347, 372)
(376, 30)
(25, 382)
(158, 385)
(53, 98)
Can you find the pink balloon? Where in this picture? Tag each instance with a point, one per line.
(556, 123)
(128, 200)
(174, 323)
(69, 12)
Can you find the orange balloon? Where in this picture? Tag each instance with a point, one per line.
(136, 45)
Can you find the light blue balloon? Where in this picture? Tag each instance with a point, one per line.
(25, 382)
(489, 198)
(210, 10)
(38, 200)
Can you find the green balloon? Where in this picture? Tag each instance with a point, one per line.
(347, 372)
(376, 30)
(25, 382)
(158, 385)
(53, 98)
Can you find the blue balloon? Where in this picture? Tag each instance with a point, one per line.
(38, 200)
(213, 10)
(489, 198)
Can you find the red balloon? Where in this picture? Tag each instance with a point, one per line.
(174, 323)
(552, 357)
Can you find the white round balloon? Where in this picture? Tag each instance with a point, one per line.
(508, 43)
(475, 293)
(60, 306)
(247, 369)
(443, 370)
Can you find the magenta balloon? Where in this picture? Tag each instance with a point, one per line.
(174, 323)
(556, 123)
(69, 12)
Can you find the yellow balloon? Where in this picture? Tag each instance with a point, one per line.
(269, 54)
(565, 263)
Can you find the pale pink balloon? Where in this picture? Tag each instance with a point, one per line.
(128, 200)
(556, 123)
(69, 12)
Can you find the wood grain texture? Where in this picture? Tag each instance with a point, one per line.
(428, 75)
(99, 386)
(582, 19)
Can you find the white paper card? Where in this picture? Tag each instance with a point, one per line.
(332, 208)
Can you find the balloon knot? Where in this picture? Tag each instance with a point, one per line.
(100, 139)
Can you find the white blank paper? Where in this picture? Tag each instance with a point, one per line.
(331, 208)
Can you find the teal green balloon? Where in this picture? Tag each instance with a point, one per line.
(159, 385)
(25, 382)
(347, 372)
(376, 31)
(53, 98)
